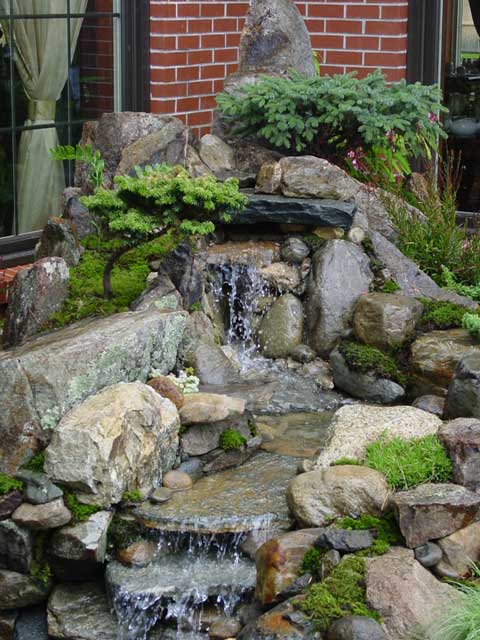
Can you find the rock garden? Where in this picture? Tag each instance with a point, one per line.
(240, 385)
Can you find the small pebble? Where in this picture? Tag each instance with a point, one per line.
(177, 481)
(428, 554)
(160, 495)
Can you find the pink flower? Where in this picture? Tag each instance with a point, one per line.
(432, 117)
(351, 154)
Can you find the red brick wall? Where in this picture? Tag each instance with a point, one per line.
(194, 45)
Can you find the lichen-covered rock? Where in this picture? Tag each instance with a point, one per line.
(168, 145)
(385, 320)
(339, 266)
(281, 329)
(436, 355)
(39, 489)
(44, 379)
(461, 438)
(78, 551)
(275, 39)
(279, 560)
(216, 154)
(432, 511)
(81, 611)
(16, 547)
(367, 386)
(36, 294)
(18, 590)
(59, 238)
(404, 593)
(463, 397)
(460, 551)
(42, 516)
(319, 496)
(353, 427)
(122, 439)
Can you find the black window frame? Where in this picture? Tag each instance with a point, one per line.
(424, 41)
(134, 68)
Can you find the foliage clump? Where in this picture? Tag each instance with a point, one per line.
(323, 115)
(409, 463)
(347, 461)
(341, 594)
(39, 568)
(461, 619)
(231, 439)
(471, 322)
(122, 533)
(80, 512)
(440, 315)
(366, 359)
(385, 528)
(132, 496)
(9, 484)
(390, 286)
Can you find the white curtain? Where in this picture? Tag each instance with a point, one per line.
(42, 62)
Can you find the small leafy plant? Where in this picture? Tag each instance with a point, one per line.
(79, 511)
(471, 322)
(231, 439)
(439, 315)
(92, 158)
(132, 496)
(186, 380)
(36, 463)
(409, 463)
(385, 528)
(312, 562)
(461, 619)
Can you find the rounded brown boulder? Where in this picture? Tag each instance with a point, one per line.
(168, 389)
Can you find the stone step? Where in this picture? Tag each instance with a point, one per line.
(241, 500)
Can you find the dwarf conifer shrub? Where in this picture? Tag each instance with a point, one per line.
(325, 115)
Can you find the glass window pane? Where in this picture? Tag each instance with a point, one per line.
(6, 185)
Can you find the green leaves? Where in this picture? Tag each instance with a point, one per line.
(86, 154)
(301, 113)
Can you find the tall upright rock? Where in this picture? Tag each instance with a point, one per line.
(275, 39)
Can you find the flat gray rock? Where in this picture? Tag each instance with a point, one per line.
(275, 209)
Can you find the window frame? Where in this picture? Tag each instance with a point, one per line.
(134, 29)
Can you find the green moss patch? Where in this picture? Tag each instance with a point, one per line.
(36, 463)
(79, 511)
(440, 315)
(132, 496)
(122, 533)
(9, 484)
(386, 531)
(312, 562)
(408, 463)
(128, 280)
(390, 286)
(471, 322)
(231, 439)
(365, 359)
(339, 595)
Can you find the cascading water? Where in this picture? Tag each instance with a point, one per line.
(238, 288)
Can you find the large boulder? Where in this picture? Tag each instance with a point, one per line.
(404, 593)
(59, 238)
(78, 551)
(81, 612)
(203, 408)
(317, 497)
(168, 145)
(279, 560)
(340, 266)
(44, 379)
(409, 277)
(18, 590)
(367, 386)
(212, 365)
(114, 133)
(386, 320)
(275, 39)
(353, 427)
(436, 355)
(432, 511)
(36, 294)
(122, 439)
(281, 329)
(463, 397)
(461, 438)
(198, 329)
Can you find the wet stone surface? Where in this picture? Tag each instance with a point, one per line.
(294, 434)
(229, 501)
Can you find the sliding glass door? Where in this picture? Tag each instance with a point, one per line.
(59, 67)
